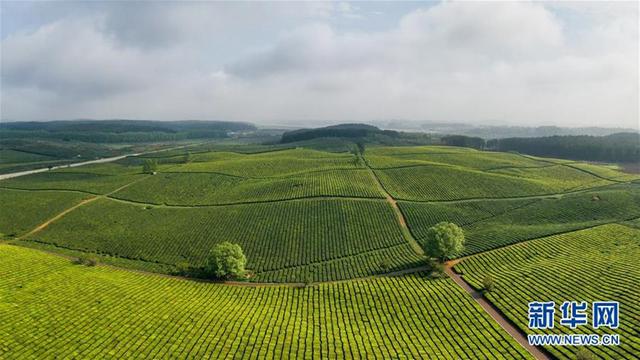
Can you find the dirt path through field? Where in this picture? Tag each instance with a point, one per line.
(42, 226)
(494, 312)
(406, 233)
(63, 213)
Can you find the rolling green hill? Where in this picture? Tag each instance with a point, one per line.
(275, 236)
(349, 220)
(309, 215)
(493, 223)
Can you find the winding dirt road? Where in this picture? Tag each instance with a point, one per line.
(494, 312)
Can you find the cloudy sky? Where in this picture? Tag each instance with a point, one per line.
(521, 63)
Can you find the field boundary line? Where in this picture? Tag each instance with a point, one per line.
(491, 309)
(523, 197)
(571, 162)
(339, 258)
(617, 221)
(306, 198)
(495, 313)
(50, 190)
(274, 177)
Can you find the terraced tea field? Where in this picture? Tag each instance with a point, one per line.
(88, 182)
(598, 264)
(275, 236)
(102, 312)
(268, 164)
(215, 189)
(438, 182)
(493, 223)
(22, 211)
(438, 174)
(308, 215)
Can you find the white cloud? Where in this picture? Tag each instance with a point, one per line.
(512, 62)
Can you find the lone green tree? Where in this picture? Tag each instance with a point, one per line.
(186, 158)
(488, 284)
(444, 241)
(226, 260)
(149, 166)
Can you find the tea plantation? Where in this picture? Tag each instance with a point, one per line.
(332, 241)
(598, 264)
(102, 312)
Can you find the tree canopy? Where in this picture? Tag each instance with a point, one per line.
(444, 241)
(149, 166)
(620, 147)
(226, 260)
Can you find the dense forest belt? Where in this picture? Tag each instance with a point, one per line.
(620, 147)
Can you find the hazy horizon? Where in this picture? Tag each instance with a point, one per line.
(567, 64)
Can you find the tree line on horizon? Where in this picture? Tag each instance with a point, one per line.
(621, 147)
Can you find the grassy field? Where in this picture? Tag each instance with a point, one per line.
(598, 264)
(494, 223)
(102, 312)
(274, 236)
